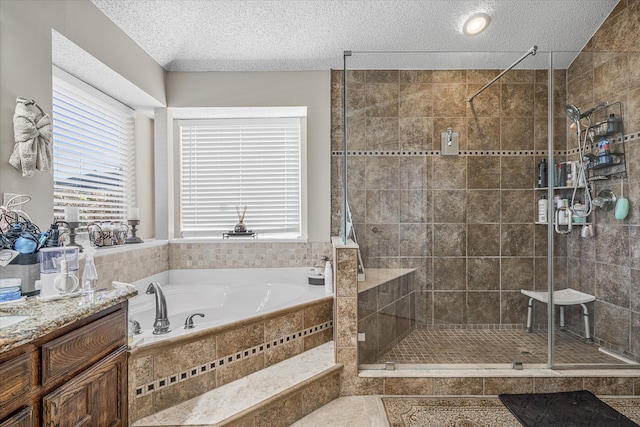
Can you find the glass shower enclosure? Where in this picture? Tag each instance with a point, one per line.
(469, 194)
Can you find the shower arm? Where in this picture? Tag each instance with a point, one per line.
(531, 52)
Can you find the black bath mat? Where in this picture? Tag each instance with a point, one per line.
(566, 409)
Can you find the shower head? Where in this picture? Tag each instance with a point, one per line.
(573, 113)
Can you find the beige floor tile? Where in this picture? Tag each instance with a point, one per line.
(349, 411)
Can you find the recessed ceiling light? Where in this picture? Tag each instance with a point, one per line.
(476, 24)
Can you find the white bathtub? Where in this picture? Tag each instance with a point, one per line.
(224, 296)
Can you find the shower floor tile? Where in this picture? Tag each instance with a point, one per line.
(473, 346)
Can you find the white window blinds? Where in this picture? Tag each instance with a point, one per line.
(228, 164)
(93, 151)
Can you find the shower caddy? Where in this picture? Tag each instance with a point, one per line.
(607, 125)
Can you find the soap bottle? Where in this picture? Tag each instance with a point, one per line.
(542, 210)
(328, 278)
(613, 124)
(542, 174)
(89, 277)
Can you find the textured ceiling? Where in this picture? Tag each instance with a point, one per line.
(293, 35)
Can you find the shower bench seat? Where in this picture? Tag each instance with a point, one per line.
(561, 298)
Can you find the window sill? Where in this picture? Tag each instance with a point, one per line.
(259, 239)
(109, 250)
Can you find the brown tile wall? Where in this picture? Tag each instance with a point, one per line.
(464, 223)
(608, 266)
(385, 316)
(156, 362)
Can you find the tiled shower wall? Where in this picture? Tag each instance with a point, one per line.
(608, 266)
(464, 223)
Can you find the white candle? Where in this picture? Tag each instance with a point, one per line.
(71, 214)
(134, 214)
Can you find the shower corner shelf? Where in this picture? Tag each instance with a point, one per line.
(558, 188)
(575, 224)
(609, 127)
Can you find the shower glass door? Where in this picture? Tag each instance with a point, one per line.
(596, 313)
(457, 255)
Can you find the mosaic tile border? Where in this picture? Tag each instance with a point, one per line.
(369, 153)
(408, 153)
(497, 326)
(194, 371)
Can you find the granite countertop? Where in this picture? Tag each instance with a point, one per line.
(48, 316)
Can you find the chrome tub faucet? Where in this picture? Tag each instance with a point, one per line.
(161, 325)
(188, 324)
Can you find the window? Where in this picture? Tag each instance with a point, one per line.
(229, 164)
(93, 151)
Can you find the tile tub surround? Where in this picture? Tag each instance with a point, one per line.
(130, 263)
(385, 311)
(278, 395)
(452, 380)
(245, 254)
(164, 374)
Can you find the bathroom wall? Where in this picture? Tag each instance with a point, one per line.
(608, 266)
(310, 89)
(466, 223)
(25, 70)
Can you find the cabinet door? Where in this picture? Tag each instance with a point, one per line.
(18, 379)
(96, 397)
(23, 418)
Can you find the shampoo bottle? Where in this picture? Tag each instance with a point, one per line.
(328, 278)
(542, 174)
(542, 210)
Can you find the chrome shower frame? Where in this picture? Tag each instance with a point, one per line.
(531, 52)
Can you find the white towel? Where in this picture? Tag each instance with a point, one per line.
(32, 131)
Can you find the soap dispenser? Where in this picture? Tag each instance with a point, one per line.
(89, 277)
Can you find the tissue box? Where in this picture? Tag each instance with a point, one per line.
(316, 279)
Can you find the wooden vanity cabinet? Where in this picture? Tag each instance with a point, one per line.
(92, 398)
(76, 376)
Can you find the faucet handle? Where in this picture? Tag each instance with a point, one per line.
(188, 323)
(135, 327)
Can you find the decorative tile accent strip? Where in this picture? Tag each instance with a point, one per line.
(438, 326)
(161, 383)
(338, 153)
(437, 153)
